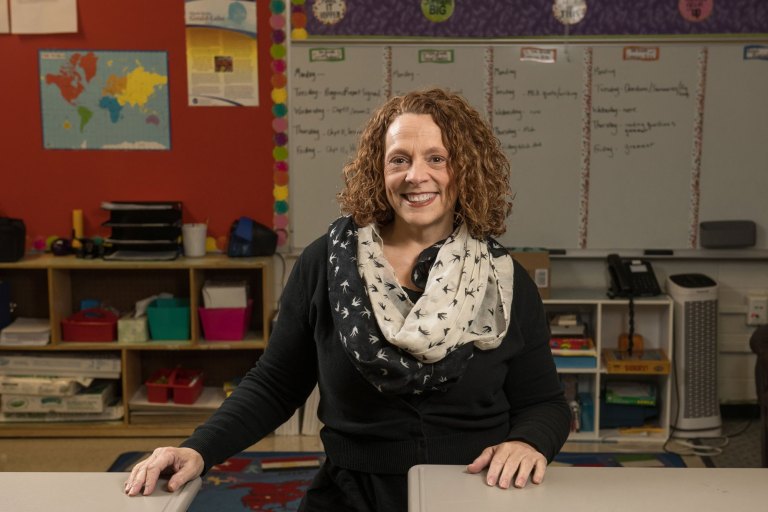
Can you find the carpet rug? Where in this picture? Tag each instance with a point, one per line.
(249, 481)
(276, 481)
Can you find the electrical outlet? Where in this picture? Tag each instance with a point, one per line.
(757, 310)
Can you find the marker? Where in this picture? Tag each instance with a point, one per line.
(556, 252)
(659, 252)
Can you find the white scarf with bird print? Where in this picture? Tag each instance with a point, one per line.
(406, 347)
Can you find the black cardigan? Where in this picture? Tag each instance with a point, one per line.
(509, 393)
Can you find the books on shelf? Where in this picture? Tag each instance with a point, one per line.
(565, 319)
(584, 362)
(106, 366)
(41, 385)
(566, 346)
(93, 399)
(630, 393)
(567, 324)
(26, 332)
(568, 330)
(111, 412)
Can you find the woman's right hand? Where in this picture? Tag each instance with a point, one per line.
(185, 463)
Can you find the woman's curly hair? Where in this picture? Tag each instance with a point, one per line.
(479, 168)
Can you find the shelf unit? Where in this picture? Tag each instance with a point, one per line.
(52, 287)
(607, 319)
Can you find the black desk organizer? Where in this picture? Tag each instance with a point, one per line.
(146, 230)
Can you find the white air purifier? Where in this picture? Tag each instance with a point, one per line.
(695, 411)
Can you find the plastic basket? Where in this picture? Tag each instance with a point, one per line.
(226, 324)
(169, 319)
(180, 385)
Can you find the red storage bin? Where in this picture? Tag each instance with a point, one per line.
(92, 324)
(180, 385)
(159, 385)
(187, 386)
(225, 324)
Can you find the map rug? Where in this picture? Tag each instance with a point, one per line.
(249, 481)
(276, 481)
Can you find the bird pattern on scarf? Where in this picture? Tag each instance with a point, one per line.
(407, 347)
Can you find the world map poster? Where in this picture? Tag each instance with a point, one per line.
(104, 99)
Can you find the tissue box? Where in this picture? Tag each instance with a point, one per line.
(225, 294)
(132, 330)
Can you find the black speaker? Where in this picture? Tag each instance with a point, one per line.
(727, 234)
(13, 233)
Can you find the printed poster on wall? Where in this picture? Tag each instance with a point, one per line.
(5, 24)
(104, 99)
(222, 61)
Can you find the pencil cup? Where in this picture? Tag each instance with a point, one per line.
(193, 237)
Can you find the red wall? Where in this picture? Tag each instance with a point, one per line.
(220, 162)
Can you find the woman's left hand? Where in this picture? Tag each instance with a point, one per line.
(510, 460)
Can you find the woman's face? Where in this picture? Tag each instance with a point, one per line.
(417, 176)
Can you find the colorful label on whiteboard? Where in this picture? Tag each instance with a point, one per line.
(755, 52)
(647, 53)
(326, 54)
(329, 12)
(436, 56)
(530, 53)
(437, 11)
(695, 10)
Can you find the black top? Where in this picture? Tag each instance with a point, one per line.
(509, 393)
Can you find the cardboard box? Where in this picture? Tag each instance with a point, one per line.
(537, 265)
(648, 361)
(92, 399)
(225, 294)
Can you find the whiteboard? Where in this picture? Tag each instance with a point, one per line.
(642, 138)
(333, 92)
(612, 146)
(463, 67)
(537, 108)
(734, 173)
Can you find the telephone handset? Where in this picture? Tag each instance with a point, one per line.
(631, 277)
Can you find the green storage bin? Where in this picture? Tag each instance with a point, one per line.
(169, 319)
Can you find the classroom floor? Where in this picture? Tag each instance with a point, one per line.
(97, 454)
(84, 454)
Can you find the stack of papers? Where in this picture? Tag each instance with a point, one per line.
(27, 331)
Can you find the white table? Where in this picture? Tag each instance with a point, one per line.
(86, 492)
(435, 488)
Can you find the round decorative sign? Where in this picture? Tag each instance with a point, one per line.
(329, 12)
(437, 10)
(569, 12)
(696, 10)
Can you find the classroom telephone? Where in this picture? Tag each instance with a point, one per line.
(631, 277)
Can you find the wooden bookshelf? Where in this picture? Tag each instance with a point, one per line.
(48, 286)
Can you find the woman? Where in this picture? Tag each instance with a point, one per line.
(429, 344)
